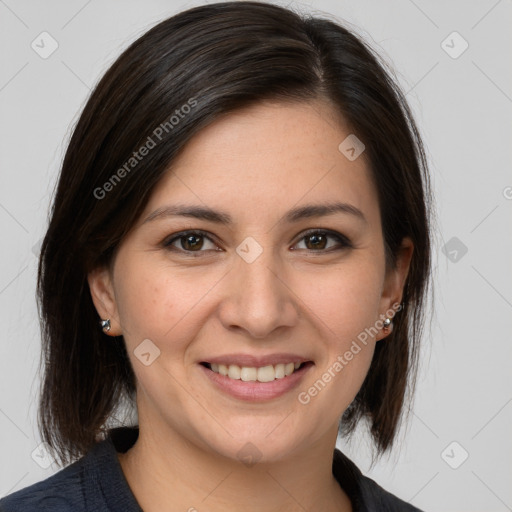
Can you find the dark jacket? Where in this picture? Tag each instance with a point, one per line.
(96, 483)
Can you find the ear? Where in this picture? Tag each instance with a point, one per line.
(395, 280)
(103, 297)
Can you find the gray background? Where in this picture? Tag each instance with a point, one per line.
(463, 108)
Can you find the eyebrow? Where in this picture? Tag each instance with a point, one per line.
(220, 217)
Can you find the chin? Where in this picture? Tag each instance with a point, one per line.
(250, 445)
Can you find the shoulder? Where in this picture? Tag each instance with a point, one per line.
(365, 493)
(94, 482)
(381, 500)
(61, 492)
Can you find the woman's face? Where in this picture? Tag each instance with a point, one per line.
(259, 287)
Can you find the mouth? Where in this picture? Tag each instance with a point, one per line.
(255, 383)
(267, 373)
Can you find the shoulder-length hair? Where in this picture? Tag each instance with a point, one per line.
(170, 83)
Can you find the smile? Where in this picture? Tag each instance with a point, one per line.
(255, 383)
(262, 374)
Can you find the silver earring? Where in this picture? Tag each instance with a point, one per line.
(387, 323)
(105, 325)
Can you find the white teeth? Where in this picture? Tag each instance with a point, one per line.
(234, 372)
(247, 374)
(264, 374)
(279, 371)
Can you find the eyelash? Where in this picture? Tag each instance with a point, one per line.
(343, 240)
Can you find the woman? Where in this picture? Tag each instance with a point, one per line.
(239, 252)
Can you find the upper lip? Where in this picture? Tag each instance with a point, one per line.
(250, 361)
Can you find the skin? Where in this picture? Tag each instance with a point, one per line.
(254, 164)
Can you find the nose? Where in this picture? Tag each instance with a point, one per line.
(257, 298)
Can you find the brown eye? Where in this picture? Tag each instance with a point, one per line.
(318, 241)
(189, 241)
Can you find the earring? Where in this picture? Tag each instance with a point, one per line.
(387, 324)
(105, 325)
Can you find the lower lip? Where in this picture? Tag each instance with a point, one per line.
(254, 391)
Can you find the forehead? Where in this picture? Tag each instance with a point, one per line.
(268, 157)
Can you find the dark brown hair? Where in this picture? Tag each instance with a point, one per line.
(218, 57)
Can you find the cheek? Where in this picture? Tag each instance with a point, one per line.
(345, 306)
(160, 303)
(346, 299)
(140, 300)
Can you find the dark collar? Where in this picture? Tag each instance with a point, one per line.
(104, 472)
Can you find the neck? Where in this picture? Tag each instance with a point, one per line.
(166, 472)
